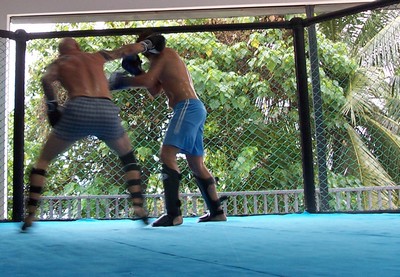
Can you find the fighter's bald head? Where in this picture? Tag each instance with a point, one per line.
(67, 45)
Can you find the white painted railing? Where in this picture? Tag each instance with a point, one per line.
(366, 198)
(238, 203)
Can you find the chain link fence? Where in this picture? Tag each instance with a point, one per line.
(243, 129)
(354, 79)
(4, 77)
(247, 80)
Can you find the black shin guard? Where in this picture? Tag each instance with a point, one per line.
(171, 179)
(214, 206)
(129, 163)
(33, 202)
(34, 188)
(137, 197)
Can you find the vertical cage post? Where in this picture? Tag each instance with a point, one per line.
(304, 114)
(19, 114)
(321, 147)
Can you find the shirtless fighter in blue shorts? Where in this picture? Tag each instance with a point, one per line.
(168, 74)
(88, 111)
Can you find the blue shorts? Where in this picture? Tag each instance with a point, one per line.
(185, 130)
(89, 116)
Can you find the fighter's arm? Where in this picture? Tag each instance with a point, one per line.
(151, 79)
(154, 44)
(126, 50)
(51, 75)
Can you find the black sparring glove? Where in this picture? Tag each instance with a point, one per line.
(154, 43)
(132, 64)
(118, 80)
(54, 112)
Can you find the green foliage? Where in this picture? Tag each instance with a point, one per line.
(247, 82)
(335, 61)
(230, 77)
(360, 107)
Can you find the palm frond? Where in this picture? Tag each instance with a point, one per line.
(379, 137)
(373, 23)
(383, 50)
(366, 166)
(367, 91)
(357, 30)
(389, 122)
(396, 85)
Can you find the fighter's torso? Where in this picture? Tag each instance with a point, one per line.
(81, 74)
(175, 78)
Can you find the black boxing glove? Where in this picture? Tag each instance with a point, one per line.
(54, 112)
(118, 81)
(154, 43)
(132, 64)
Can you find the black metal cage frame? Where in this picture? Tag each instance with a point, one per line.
(297, 25)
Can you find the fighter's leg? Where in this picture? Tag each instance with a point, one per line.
(168, 156)
(171, 178)
(207, 185)
(132, 174)
(37, 177)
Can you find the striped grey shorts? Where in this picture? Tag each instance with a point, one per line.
(88, 116)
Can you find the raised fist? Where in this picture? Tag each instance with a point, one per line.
(54, 112)
(132, 64)
(154, 43)
(118, 80)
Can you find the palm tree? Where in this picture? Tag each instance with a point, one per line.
(368, 144)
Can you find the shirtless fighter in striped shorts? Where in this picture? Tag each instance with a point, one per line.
(89, 110)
